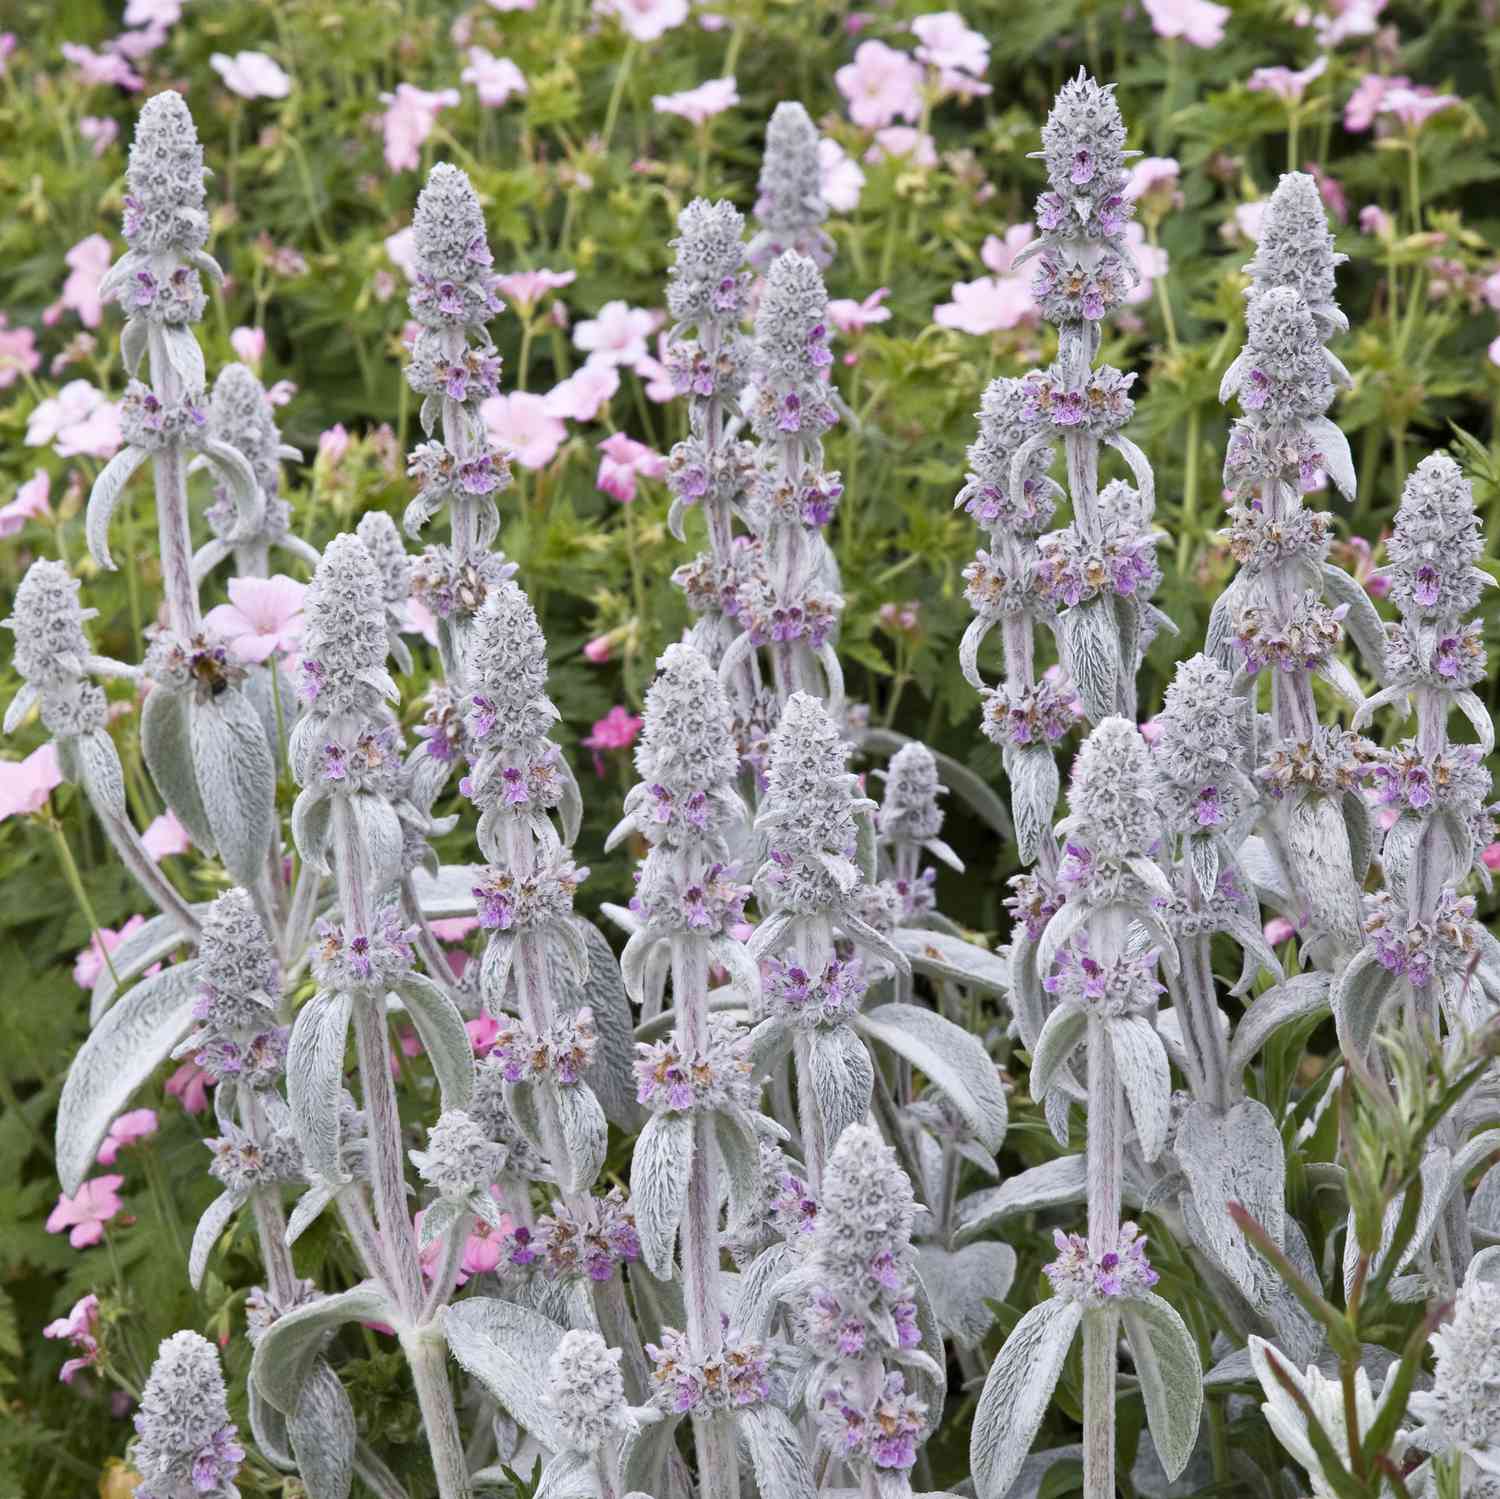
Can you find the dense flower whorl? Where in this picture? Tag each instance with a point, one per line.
(718, 1077)
(1007, 417)
(377, 959)
(454, 286)
(1083, 146)
(1462, 1410)
(47, 619)
(1121, 561)
(235, 956)
(1295, 250)
(883, 1431)
(1111, 798)
(790, 993)
(164, 200)
(239, 988)
(1119, 1273)
(509, 707)
(909, 811)
(460, 1158)
(241, 1162)
(706, 285)
(1440, 947)
(240, 414)
(686, 750)
(1200, 746)
(790, 203)
(791, 355)
(1283, 376)
(1014, 716)
(1121, 986)
(737, 1376)
(186, 1447)
(1453, 778)
(1435, 543)
(344, 636)
(585, 1392)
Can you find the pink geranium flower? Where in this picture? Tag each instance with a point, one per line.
(263, 615)
(999, 254)
(454, 928)
(495, 79)
(87, 1211)
(527, 288)
(99, 131)
(87, 261)
(89, 963)
(189, 1085)
(624, 461)
(79, 421)
(166, 836)
(483, 1030)
(1287, 85)
(521, 424)
(161, 13)
(26, 784)
(482, 1248)
(989, 305)
(138, 1124)
(905, 142)
(842, 178)
(618, 334)
(251, 75)
(617, 730)
(410, 114)
(249, 344)
(1199, 22)
(947, 43)
(1413, 107)
(1152, 174)
(585, 392)
(652, 368)
(597, 650)
(1150, 260)
(701, 104)
(644, 20)
(850, 317)
(882, 86)
(1278, 930)
(79, 1328)
(1491, 854)
(1374, 220)
(1250, 217)
(333, 443)
(18, 353)
(31, 503)
(101, 69)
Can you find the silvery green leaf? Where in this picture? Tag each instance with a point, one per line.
(99, 768)
(1033, 796)
(214, 1221)
(1028, 1000)
(1140, 470)
(16, 711)
(739, 1151)
(521, 1100)
(268, 1428)
(166, 745)
(1299, 997)
(236, 776)
(841, 1078)
(1218, 640)
(148, 944)
(507, 1349)
(312, 827)
(973, 638)
(1333, 447)
(1093, 654)
(249, 502)
(953, 1061)
(939, 955)
(1141, 1060)
(1484, 1205)
(132, 1039)
(659, 1170)
(569, 1475)
(1471, 705)
(1203, 856)
(1017, 1392)
(611, 1075)
(380, 831)
(1055, 1111)
(314, 1078)
(180, 345)
(1063, 925)
(449, 892)
(781, 1470)
(760, 1289)
(1236, 1368)
(444, 1037)
(308, 1210)
(285, 1355)
(1319, 848)
(960, 1283)
(645, 1454)
(1361, 623)
(955, 775)
(926, 1365)
(1236, 1156)
(1358, 826)
(1359, 1000)
(103, 498)
(1057, 1183)
(585, 1136)
(1062, 1034)
(135, 338)
(1171, 1376)
(323, 1435)
(438, 1217)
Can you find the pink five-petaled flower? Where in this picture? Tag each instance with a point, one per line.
(988, 305)
(1413, 107)
(263, 615)
(26, 784)
(87, 1211)
(410, 114)
(527, 288)
(189, 1085)
(850, 317)
(251, 75)
(618, 335)
(623, 462)
(138, 1124)
(87, 262)
(78, 1327)
(79, 421)
(999, 255)
(644, 20)
(18, 353)
(521, 424)
(948, 44)
(617, 730)
(584, 393)
(333, 443)
(101, 69)
(482, 1249)
(89, 963)
(30, 503)
(249, 344)
(841, 178)
(1197, 21)
(495, 79)
(1287, 85)
(701, 104)
(882, 85)
(166, 835)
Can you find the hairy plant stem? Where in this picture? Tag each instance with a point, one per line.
(173, 532)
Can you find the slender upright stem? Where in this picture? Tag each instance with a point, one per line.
(1101, 1325)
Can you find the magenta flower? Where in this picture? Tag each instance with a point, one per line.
(189, 1085)
(89, 963)
(1375, 221)
(882, 86)
(643, 20)
(18, 353)
(263, 616)
(31, 503)
(903, 143)
(78, 1327)
(87, 1211)
(1199, 22)
(495, 79)
(584, 393)
(251, 75)
(79, 421)
(521, 424)
(701, 104)
(618, 334)
(87, 261)
(1150, 261)
(1288, 86)
(138, 1124)
(851, 317)
(166, 836)
(598, 649)
(624, 461)
(249, 344)
(410, 114)
(527, 288)
(26, 784)
(999, 254)
(617, 730)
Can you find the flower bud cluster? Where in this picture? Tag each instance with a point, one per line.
(449, 587)
(791, 357)
(186, 1447)
(1083, 148)
(706, 285)
(1112, 802)
(564, 1053)
(1007, 418)
(344, 636)
(164, 198)
(790, 203)
(242, 1163)
(1452, 779)
(148, 422)
(441, 475)
(240, 415)
(239, 978)
(1034, 901)
(737, 1376)
(586, 1393)
(47, 620)
(1200, 748)
(173, 298)
(1302, 641)
(378, 959)
(717, 1077)
(785, 1209)
(1260, 538)
(1295, 250)
(202, 665)
(565, 1246)
(909, 811)
(1332, 761)
(671, 899)
(454, 287)
(1040, 712)
(1100, 406)
(1453, 659)
(1119, 561)
(1119, 1274)
(698, 473)
(466, 376)
(368, 759)
(460, 1157)
(1461, 1412)
(1435, 544)
(509, 709)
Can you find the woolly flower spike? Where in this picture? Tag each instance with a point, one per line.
(454, 286)
(344, 638)
(909, 813)
(1283, 375)
(1121, 561)
(1083, 145)
(1199, 748)
(706, 284)
(459, 1158)
(790, 204)
(1111, 802)
(1295, 250)
(238, 971)
(48, 620)
(1436, 543)
(791, 355)
(509, 707)
(1122, 1272)
(164, 200)
(186, 1447)
(585, 1392)
(1007, 418)
(1462, 1410)
(240, 414)
(388, 552)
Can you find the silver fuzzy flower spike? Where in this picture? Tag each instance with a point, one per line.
(186, 1447)
(790, 202)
